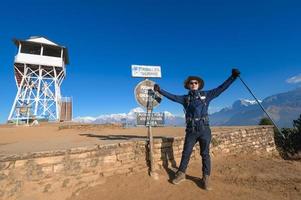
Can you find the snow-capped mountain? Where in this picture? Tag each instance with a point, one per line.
(84, 119)
(111, 118)
(173, 120)
(129, 118)
(247, 102)
(283, 108)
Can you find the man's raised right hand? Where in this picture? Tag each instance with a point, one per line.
(156, 88)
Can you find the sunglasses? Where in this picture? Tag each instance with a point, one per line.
(193, 83)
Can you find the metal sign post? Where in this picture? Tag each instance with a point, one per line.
(149, 99)
(150, 136)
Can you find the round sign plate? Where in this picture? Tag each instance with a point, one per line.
(142, 93)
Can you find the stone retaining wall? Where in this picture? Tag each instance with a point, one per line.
(68, 171)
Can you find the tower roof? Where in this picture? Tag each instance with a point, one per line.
(43, 41)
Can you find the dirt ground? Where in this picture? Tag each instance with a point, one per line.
(238, 177)
(233, 177)
(45, 137)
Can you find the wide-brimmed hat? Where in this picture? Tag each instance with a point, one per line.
(198, 79)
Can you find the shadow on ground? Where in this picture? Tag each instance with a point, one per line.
(167, 154)
(119, 137)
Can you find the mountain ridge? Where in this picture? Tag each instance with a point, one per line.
(283, 108)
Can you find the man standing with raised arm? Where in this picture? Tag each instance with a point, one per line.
(196, 104)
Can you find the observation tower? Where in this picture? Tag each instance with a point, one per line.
(39, 69)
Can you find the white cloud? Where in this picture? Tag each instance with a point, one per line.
(294, 79)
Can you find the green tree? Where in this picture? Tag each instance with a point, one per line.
(265, 121)
(291, 144)
(297, 124)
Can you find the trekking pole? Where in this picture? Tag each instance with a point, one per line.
(261, 107)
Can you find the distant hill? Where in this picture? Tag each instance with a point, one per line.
(283, 108)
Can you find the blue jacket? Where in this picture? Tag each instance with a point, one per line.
(196, 102)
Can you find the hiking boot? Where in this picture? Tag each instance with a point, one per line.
(206, 181)
(179, 177)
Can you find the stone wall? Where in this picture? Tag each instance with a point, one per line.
(66, 172)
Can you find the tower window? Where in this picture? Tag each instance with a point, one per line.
(52, 51)
(31, 49)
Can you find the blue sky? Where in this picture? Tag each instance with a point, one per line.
(205, 38)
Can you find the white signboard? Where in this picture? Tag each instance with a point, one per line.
(146, 71)
(157, 119)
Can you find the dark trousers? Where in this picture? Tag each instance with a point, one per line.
(201, 134)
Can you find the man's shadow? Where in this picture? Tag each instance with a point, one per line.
(168, 161)
(170, 165)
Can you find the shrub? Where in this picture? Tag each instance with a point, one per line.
(265, 121)
(291, 144)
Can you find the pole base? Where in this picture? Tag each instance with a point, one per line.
(154, 175)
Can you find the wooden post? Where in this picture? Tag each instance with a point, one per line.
(152, 171)
(150, 106)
